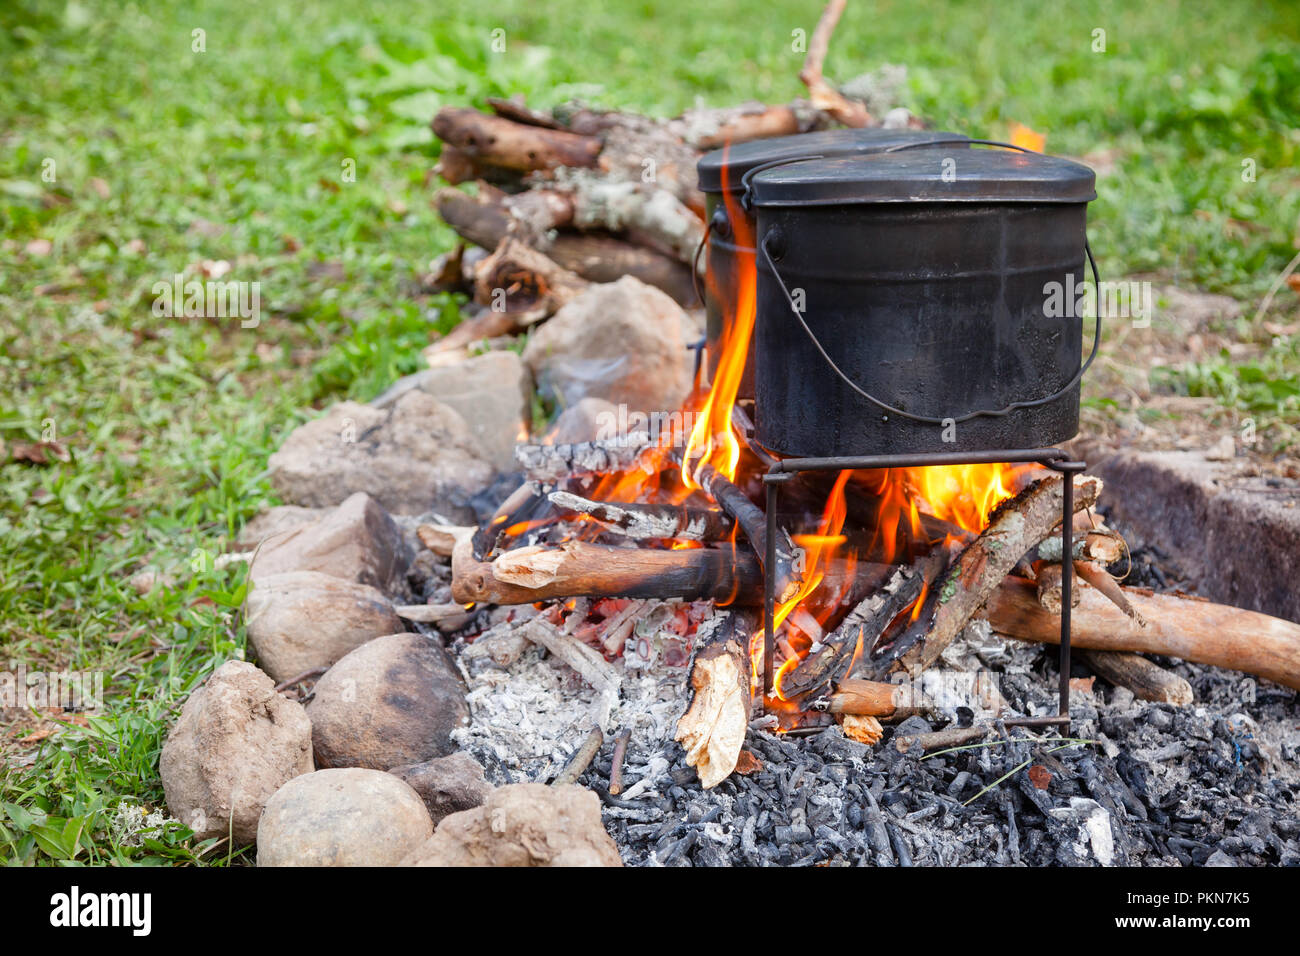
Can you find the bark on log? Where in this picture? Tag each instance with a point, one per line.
(1015, 528)
(753, 522)
(1177, 626)
(502, 142)
(861, 626)
(487, 218)
(875, 699)
(941, 739)
(1146, 679)
(714, 726)
(552, 463)
(1050, 577)
(1099, 578)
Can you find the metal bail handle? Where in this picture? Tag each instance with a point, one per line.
(941, 420)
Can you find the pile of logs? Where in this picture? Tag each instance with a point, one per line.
(1010, 574)
(572, 196)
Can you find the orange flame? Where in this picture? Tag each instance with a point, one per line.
(1026, 138)
(713, 440)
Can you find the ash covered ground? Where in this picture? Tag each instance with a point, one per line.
(1216, 783)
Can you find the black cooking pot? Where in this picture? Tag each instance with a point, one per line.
(721, 174)
(903, 301)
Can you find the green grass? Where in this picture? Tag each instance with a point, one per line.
(164, 157)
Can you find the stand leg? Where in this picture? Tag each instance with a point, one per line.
(769, 590)
(1067, 582)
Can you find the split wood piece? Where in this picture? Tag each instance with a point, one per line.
(753, 523)
(714, 726)
(517, 286)
(487, 218)
(532, 285)
(502, 142)
(552, 463)
(860, 628)
(584, 659)
(441, 538)
(823, 94)
(581, 759)
(941, 739)
(518, 505)
(649, 521)
(1177, 626)
(1146, 679)
(863, 728)
(875, 699)
(1050, 579)
(1100, 578)
(578, 568)
(1014, 528)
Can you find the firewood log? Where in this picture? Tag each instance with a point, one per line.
(1146, 679)
(487, 218)
(714, 726)
(534, 286)
(503, 142)
(1017, 526)
(1177, 626)
(579, 569)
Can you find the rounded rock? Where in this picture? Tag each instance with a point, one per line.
(341, 817)
(391, 702)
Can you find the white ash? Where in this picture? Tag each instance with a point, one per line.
(532, 713)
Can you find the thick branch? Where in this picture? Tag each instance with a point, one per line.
(823, 94)
(579, 569)
(502, 142)
(1016, 527)
(1177, 626)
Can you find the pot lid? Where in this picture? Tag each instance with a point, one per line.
(740, 159)
(926, 175)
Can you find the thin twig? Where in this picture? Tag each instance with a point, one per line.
(616, 773)
(314, 672)
(581, 759)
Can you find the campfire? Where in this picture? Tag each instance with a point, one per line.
(869, 465)
(866, 575)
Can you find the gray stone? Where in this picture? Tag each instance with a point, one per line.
(1232, 534)
(448, 784)
(621, 341)
(274, 521)
(493, 392)
(302, 620)
(584, 421)
(392, 702)
(357, 541)
(235, 744)
(524, 824)
(345, 817)
(406, 456)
